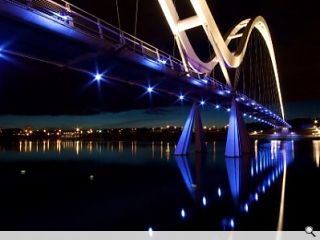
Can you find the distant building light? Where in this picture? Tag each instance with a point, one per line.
(202, 102)
(181, 97)
(217, 106)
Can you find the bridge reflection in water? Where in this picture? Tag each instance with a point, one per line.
(250, 177)
(163, 191)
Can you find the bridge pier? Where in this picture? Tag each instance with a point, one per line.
(194, 119)
(238, 142)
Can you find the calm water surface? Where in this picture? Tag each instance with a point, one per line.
(83, 185)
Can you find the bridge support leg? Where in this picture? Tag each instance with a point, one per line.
(238, 142)
(194, 119)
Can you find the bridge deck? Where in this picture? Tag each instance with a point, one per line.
(86, 39)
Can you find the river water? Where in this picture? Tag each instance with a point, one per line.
(97, 185)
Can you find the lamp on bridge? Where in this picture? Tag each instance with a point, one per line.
(98, 77)
(150, 89)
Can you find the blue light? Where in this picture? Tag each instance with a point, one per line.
(202, 102)
(244, 114)
(98, 77)
(263, 189)
(205, 81)
(228, 110)
(246, 207)
(232, 223)
(217, 106)
(65, 18)
(219, 192)
(204, 201)
(162, 61)
(150, 230)
(183, 213)
(150, 89)
(256, 197)
(181, 97)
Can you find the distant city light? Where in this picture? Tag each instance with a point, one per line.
(202, 102)
(98, 77)
(228, 110)
(256, 197)
(181, 97)
(219, 192)
(217, 106)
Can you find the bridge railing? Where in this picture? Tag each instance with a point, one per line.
(74, 17)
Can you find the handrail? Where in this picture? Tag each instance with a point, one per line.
(74, 17)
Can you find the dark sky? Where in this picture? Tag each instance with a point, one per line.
(293, 25)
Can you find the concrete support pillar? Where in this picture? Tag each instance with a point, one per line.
(183, 165)
(194, 119)
(238, 142)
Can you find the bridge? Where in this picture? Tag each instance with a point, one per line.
(241, 76)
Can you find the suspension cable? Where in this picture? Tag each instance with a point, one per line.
(118, 14)
(136, 18)
(174, 37)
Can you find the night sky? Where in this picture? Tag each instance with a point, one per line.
(293, 25)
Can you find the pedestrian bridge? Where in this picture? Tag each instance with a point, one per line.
(245, 82)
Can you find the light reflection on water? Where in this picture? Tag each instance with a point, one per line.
(316, 152)
(269, 166)
(210, 180)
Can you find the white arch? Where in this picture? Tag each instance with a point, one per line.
(224, 56)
